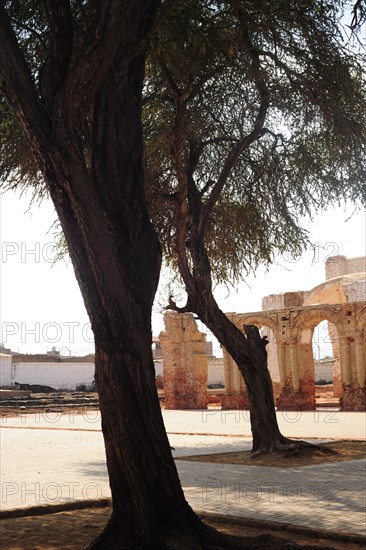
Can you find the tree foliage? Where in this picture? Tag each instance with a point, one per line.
(255, 116)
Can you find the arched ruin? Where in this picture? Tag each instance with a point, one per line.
(290, 319)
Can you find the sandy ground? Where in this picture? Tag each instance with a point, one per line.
(345, 450)
(73, 530)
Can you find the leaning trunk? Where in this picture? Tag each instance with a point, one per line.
(249, 353)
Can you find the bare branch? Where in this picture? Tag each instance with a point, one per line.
(246, 140)
(358, 15)
(173, 306)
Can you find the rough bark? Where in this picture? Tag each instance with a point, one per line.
(96, 182)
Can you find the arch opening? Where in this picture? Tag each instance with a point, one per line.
(326, 365)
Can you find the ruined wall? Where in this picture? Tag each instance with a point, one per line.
(185, 362)
(356, 291)
(324, 370)
(335, 266)
(284, 300)
(293, 329)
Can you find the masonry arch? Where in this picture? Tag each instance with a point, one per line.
(361, 319)
(310, 317)
(259, 320)
(304, 331)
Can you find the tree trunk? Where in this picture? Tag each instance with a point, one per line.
(117, 258)
(250, 355)
(249, 352)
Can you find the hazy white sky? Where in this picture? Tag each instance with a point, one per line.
(41, 305)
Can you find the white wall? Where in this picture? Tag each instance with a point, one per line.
(158, 368)
(5, 369)
(216, 371)
(324, 370)
(60, 376)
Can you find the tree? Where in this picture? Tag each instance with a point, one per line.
(255, 116)
(72, 74)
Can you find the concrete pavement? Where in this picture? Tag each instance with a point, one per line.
(330, 424)
(49, 459)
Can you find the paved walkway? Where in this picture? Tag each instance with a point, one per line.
(53, 458)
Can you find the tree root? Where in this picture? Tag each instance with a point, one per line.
(288, 447)
(203, 537)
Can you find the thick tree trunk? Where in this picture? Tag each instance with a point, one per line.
(117, 258)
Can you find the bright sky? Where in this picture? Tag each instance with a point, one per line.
(41, 305)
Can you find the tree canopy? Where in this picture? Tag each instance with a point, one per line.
(263, 104)
(255, 115)
(254, 112)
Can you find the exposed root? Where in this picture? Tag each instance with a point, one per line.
(287, 447)
(206, 538)
(196, 535)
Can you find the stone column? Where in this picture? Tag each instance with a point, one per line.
(185, 363)
(281, 355)
(360, 359)
(236, 396)
(228, 371)
(345, 361)
(354, 397)
(337, 375)
(294, 366)
(298, 391)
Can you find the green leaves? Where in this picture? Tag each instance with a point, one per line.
(277, 82)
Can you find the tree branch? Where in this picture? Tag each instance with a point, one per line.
(29, 29)
(168, 75)
(173, 306)
(247, 140)
(17, 84)
(358, 15)
(120, 31)
(54, 70)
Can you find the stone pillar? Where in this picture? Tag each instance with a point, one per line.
(298, 390)
(236, 396)
(228, 371)
(185, 363)
(281, 354)
(294, 366)
(273, 361)
(345, 361)
(337, 375)
(360, 359)
(354, 397)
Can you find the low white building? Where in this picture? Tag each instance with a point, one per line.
(57, 375)
(5, 369)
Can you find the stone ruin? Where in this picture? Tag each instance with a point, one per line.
(289, 320)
